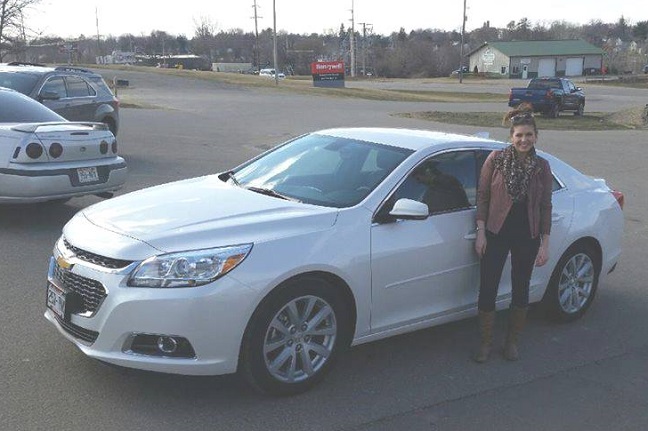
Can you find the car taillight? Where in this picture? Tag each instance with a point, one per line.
(114, 146)
(55, 150)
(103, 147)
(619, 197)
(34, 150)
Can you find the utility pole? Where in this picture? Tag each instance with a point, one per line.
(256, 37)
(97, 22)
(274, 41)
(364, 46)
(461, 50)
(352, 41)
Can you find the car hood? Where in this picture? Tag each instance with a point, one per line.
(204, 212)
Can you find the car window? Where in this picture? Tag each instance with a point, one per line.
(55, 85)
(22, 82)
(18, 108)
(446, 182)
(78, 87)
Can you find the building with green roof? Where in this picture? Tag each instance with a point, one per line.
(533, 58)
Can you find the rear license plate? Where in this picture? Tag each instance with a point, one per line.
(88, 175)
(56, 300)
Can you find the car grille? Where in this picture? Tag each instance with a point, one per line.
(77, 331)
(96, 259)
(90, 291)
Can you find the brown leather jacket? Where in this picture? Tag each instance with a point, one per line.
(494, 202)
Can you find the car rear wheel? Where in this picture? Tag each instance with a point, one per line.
(573, 284)
(295, 337)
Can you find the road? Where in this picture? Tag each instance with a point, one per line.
(588, 375)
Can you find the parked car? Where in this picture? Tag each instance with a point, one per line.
(550, 96)
(75, 93)
(270, 73)
(44, 157)
(274, 268)
(645, 69)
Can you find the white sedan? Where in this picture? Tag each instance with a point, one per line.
(44, 157)
(335, 238)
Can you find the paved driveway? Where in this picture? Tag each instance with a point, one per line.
(589, 375)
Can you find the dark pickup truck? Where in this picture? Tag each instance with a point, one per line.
(550, 96)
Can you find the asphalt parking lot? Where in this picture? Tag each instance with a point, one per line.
(588, 375)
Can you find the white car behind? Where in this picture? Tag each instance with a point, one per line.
(44, 157)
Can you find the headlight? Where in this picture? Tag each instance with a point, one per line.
(188, 268)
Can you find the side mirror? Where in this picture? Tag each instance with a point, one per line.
(49, 95)
(578, 89)
(408, 209)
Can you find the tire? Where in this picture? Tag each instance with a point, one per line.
(580, 110)
(573, 284)
(295, 337)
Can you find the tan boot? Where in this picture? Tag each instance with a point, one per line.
(486, 324)
(517, 319)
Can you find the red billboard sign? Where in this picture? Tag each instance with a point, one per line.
(328, 73)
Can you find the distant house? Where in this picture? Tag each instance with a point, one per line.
(530, 59)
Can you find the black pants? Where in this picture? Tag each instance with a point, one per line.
(523, 253)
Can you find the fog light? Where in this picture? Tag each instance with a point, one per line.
(159, 345)
(167, 344)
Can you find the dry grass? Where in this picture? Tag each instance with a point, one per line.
(629, 119)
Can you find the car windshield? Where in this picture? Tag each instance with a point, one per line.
(321, 170)
(18, 108)
(19, 81)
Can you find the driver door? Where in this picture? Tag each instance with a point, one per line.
(423, 269)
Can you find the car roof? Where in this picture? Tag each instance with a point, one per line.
(41, 69)
(412, 139)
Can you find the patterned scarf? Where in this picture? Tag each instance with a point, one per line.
(517, 174)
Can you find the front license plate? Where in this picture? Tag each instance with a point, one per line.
(56, 300)
(88, 175)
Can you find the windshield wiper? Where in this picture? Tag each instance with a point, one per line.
(273, 193)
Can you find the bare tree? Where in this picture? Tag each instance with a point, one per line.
(12, 28)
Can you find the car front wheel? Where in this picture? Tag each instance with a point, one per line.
(573, 284)
(295, 337)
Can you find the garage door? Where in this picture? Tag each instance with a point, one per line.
(547, 67)
(574, 67)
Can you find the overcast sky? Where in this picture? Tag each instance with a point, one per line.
(71, 18)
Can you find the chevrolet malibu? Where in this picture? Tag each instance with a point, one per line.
(333, 239)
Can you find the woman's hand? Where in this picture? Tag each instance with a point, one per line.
(480, 243)
(543, 254)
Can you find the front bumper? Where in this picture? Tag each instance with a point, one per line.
(212, 318)
(36, 184)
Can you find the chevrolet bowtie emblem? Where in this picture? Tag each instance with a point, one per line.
(63, 263)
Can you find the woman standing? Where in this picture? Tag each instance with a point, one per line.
(513, 215)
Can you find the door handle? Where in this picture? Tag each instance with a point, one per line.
(471, 236)
(555, 218)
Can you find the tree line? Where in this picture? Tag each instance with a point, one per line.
(402, 54)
